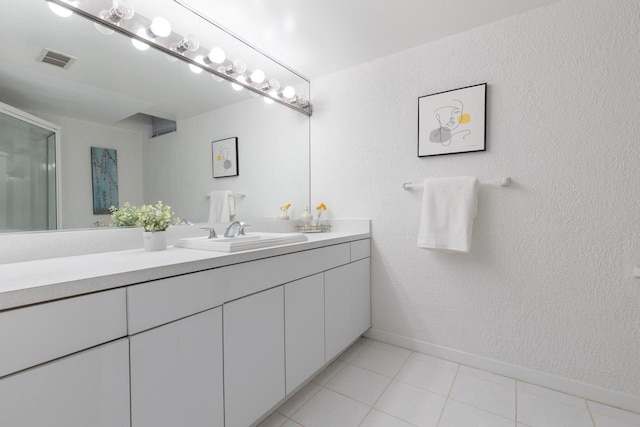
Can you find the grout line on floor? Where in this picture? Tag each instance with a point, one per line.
(593, 420)
(516, 403)
(303, 403)
(385, 389)
(482, 409)
(455, 377)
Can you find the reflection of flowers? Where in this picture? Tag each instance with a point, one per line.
(285, 208)
(320, 208)
(126, 216)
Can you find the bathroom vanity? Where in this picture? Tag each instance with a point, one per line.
(179, 337)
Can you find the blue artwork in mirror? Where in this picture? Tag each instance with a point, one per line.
(104, 173)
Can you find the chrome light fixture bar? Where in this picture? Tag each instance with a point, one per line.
(138, 28)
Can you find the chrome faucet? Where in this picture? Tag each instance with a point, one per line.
(235, 229)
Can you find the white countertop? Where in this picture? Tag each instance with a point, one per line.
(31, 282)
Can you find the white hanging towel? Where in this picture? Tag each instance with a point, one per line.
(449, 206)
(222, 206)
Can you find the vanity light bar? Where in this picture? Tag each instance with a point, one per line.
(132, 28)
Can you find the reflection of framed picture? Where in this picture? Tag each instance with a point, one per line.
(453, 121)
(104, 176)
(225, 157)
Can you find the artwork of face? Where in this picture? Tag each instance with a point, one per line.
(449, 117)
(452, 121)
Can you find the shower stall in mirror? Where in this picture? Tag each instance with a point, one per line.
(28, 177)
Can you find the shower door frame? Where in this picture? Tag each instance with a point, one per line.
(37, 121)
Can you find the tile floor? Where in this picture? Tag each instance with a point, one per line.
(374, 384)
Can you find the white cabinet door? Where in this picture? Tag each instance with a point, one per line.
(90, 388)
(304, 329)
(253, 356)
(347, 305)
(176, 373)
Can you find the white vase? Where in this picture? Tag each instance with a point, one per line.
(307, 218)
(155, 240)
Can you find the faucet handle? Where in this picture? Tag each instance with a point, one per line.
(242, 226)
(212, 232)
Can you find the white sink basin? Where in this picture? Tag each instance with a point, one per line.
(240, 243)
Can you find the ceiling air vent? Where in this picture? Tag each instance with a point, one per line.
(58, 59)
(161, 126)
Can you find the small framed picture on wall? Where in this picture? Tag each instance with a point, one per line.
(453, 121)
(225, 157)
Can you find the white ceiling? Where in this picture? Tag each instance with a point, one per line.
(317, 37)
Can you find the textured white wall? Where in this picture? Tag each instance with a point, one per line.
(548, 283)
(78, 136)
(273, 146)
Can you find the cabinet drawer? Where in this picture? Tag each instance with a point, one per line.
(360, 249)
(44, 332)
(255, 276)
(162, 301)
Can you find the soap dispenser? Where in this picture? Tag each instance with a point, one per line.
(306, 217)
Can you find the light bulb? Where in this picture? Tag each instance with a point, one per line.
(303, 103)
(257, 76)
(160, 27)
(236, 86)
(124, 9)
(289, 92)
(268, 100)
(217, 55)
(239, 66)
(120, 9)
(137, 43)
(195, 68)
(189, 43)
(200, 60)
(221, 69)
(61, 10)
(273, 84)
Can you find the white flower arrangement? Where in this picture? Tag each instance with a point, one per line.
(152, 218)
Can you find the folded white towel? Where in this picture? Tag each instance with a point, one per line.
(449, 206)
(222, 206)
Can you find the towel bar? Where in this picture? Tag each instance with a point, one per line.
(505, 181)
(239, 194)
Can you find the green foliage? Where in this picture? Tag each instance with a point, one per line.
(152, 218)
(126, 216)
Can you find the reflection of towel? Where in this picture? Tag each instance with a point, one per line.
(449, 206)
(222, 206)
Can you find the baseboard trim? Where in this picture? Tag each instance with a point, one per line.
(587, 391)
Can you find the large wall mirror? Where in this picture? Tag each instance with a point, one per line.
(108, 98)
